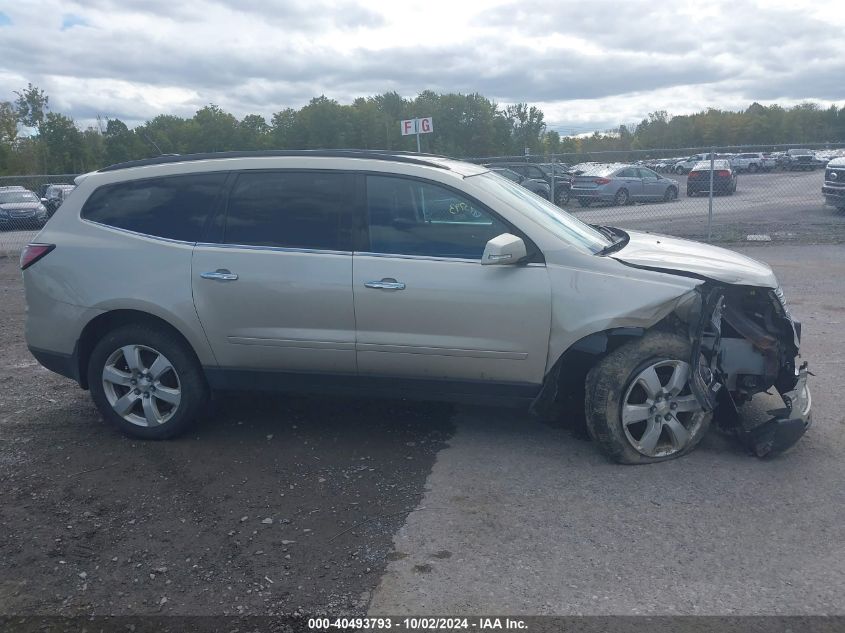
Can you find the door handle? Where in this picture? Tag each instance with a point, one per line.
(221, 274)
(388, 283)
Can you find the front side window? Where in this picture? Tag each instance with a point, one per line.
(174, 207)
(290, 209)
(411, 217)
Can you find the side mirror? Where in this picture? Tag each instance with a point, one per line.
(504, 249)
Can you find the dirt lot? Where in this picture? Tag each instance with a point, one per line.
(272, 505)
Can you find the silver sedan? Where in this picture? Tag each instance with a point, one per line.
(621, 184)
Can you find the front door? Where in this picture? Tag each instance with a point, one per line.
(425, 306)
(276, 292)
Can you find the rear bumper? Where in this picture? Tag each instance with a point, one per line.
(598, 195)
(66, 365)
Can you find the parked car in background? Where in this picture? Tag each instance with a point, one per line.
(539, 171)
(834, 184)
(752, 162)
(620, 184)
(685, 165)
(54, 196)
(21, 209)
(800, 160)
(377, 273)
(540, 187)
(724, 178)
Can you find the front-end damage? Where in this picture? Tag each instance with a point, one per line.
(744, 342)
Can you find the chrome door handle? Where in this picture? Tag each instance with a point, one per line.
(221, 274)
(387, 283)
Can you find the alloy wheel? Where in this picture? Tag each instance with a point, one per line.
(141, 385)
(659, 411)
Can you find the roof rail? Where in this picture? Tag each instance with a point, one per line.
(403, 157)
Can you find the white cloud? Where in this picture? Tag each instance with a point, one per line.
(589, 66)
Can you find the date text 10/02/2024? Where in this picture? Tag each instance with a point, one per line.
(417, 623)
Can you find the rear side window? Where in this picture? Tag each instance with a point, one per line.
(175, 207)
(292, 209)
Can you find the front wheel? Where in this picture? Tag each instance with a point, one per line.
(146, 381)
(563, 198)
(670, 194)
(639, 406)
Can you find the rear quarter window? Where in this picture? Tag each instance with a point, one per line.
(173, 207)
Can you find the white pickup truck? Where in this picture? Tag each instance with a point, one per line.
(752, 162)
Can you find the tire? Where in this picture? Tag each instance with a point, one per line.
(622, 198)
(679, 170)
(690, 193)
(583, 202)
(163, 405)
(563, 198)
(617, 382)
(752, 168)
(670, 194)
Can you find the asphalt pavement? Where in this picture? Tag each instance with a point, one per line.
(521, 518)
(275, 505)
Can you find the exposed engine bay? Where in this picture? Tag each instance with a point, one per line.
(744, 342)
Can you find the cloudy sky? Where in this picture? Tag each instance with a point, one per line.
(588, 64)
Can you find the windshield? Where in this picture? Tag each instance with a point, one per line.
(17, 196)
(550, 217)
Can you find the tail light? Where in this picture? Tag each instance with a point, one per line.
(602, 181)
(33, 252)
(694, 174)
(723, 173)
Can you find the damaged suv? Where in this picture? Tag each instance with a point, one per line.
(402, 275)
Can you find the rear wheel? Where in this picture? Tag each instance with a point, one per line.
(752, 167)
(639, 405)
(690, 192)
(622, 197)
(146, 381)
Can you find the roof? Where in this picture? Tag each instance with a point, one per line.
(430, 160)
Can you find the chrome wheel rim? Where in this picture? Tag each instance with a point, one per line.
(141, 385)
(621, 197)
(660, 414)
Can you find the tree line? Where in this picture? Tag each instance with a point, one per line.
(35, 139)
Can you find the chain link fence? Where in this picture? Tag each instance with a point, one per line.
(758, 193)
(26, 204)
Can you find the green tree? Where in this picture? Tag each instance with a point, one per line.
(32, 105)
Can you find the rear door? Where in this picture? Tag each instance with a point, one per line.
(426, 307)
(273, 289)
(629, 178)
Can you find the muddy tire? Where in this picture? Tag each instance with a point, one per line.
(147, 381)
(638, 405)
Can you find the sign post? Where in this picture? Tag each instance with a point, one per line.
(424, 125)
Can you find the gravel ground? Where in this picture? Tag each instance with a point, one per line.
(270, 506)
